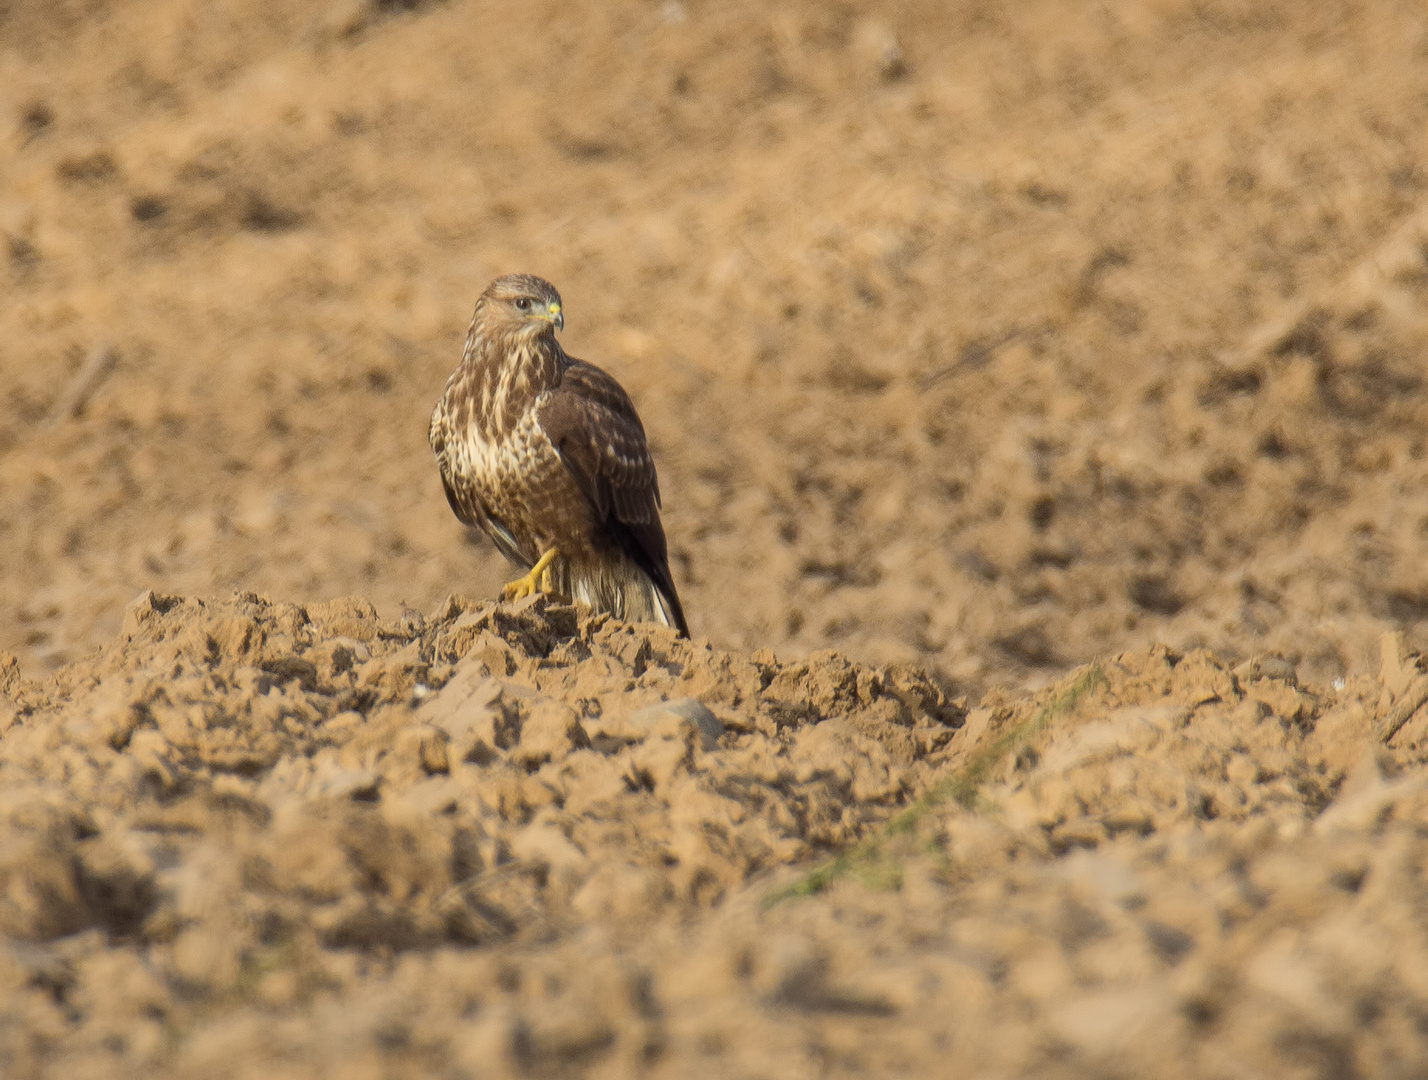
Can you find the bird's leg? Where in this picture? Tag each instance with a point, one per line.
(538, 580)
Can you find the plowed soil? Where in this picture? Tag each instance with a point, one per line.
(1039, 402)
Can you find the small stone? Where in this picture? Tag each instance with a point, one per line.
(206, 958)
(592, 779)
(9, 672)
(661, 758)
(433, 750)
(331, 781)
(344, 725)
(1077, 833)
(152, 752)
(422, 746)
(350, 617)
(550, 733)
(1103, 1024)
(545, 845)
(881, 49)
(339, 656)
(144, 608)
(622, 890)
(636, 726)
(111, 721)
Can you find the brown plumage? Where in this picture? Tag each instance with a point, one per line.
(546, 455)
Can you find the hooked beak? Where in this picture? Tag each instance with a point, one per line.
(556, 317)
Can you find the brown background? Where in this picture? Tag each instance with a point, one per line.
(991, 336)
(995, 338)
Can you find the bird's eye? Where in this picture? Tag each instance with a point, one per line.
(524, 303)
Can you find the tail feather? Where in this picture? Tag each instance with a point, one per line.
(672, 610)
(623, 590)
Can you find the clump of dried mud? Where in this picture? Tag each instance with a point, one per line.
(255, 839)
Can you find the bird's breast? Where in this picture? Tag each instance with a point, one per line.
(506, 458)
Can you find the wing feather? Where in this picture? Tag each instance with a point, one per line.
(594, 427)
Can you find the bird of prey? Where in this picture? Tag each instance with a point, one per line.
(546, 455)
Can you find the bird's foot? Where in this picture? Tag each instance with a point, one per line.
(538, 580)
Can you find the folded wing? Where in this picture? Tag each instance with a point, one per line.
(593, 425)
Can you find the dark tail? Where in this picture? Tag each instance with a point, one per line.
(647, 548)
(676, 609)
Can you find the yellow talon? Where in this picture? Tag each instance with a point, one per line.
(538, 580)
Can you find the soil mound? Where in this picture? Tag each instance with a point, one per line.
(254, 839)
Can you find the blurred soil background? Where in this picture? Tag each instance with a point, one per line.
(977, 339)
(990, 336)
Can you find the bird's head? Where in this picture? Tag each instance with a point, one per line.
(522, 305)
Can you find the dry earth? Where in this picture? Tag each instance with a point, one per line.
(1059, 365)
(252, 839)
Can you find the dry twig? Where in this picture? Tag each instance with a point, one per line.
(91, 373)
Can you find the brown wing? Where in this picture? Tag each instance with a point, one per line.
(593, 425)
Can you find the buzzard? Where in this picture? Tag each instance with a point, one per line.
(546, 455)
